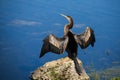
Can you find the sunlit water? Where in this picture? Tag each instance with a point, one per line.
(24, 24)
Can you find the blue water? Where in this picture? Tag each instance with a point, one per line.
(24, 23)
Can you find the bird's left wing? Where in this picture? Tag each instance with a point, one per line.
(54, 44)
(86, 38)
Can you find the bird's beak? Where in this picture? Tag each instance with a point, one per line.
(63, 15)
(87, 27)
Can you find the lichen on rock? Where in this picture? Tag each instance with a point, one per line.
(61, 69)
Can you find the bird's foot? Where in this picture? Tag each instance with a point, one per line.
(78, 70)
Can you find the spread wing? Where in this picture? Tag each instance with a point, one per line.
(86, 38)
(54, 44)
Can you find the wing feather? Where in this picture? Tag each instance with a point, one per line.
(86, 38)
(54, 44)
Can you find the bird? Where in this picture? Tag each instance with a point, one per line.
(69, 42)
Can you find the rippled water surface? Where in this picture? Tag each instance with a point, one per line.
(24, 23)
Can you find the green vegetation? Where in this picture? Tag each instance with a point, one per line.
(95, 76)
(116, 78)
(107, 74)
(54, 74)
(57, 76)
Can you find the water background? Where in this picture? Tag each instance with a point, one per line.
(24, 24)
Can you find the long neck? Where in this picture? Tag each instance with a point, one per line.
(70, 24)
(66, 29)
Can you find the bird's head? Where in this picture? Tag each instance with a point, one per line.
(69, 19)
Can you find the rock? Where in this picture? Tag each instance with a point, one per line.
(61, 69)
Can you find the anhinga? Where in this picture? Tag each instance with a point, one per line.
(69, 42)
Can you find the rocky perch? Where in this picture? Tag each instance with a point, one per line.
(61, 69)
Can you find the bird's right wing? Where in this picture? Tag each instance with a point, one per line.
(54, 44)
(86, 38)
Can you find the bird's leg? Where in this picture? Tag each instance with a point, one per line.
(77, 66)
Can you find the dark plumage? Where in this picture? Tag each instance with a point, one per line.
(69, 42)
